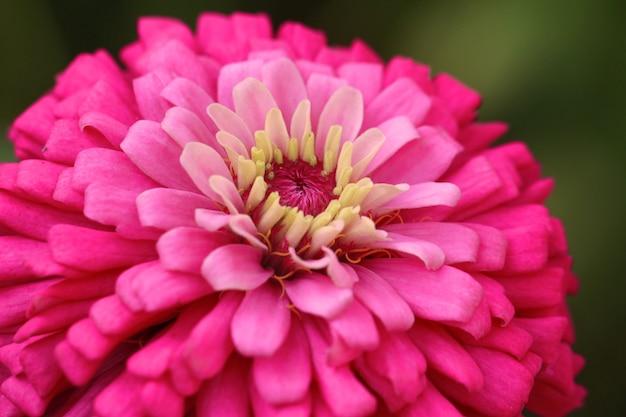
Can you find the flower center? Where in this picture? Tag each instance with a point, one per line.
(301, 185)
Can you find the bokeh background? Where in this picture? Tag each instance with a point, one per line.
(554, 70)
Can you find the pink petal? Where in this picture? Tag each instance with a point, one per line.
(383, 301)
(120, 397)
(426, 194)
(429, 253)
(13, 262)
(305, 41)
(160, 399)
(491, 250)
(445, 355)
(227, 393)
(184, 127)
(398, 131)
(184, 248)
(284, 81)
(365, 77)
(506, 388)
(252, 101)
(154, 359)
(235, 267)
(112, 130)
(431, 403)
(211, 334)
(95, 250)
(147, 93)
(285, 376)
(156, 154)
(352, 330)
(54, 319)
(200, 162)
(401, 98)
(166, 208)
(536, 289)
(232, 74)
(420, 160)
(188, 95)
(546, 332)
(444, 294)
(20, 392)
(343, 393)
(261, 408)
(261, 322)
(344, 108)
(395, 370)
(459, 243)
(320, 89)
(109, 166)
(307, 292)
(228, 194)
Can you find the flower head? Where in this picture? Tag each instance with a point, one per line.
(236, 223)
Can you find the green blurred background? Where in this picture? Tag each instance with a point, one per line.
(555, 70)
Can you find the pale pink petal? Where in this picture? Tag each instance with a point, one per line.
(383, 301)
(444, 294)
(252, 101)
(235, 267)
(285, 376)
(200, 162)
(344, 108)
(228, 194)
(320, 88)
(308, 290)
(425, 194)
(231, 75)
(184, 127)
(261, 322)
(186, 94)
(156, 154)
(284, 81)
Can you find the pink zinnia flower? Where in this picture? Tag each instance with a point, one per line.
(238, 223)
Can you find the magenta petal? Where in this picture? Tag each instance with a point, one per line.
(227, 393)
(147, 93)
(446, 355)
(261, 322)
(285, 376)
(119, 397)
(401, 98)
(308, 291)
(355, 329)
(160, 399)
(211, 334)
(261, 408)
(343, 392)
(235, 267)
(383, 301)
(444, 294)
(431, 403)
(96, 250)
